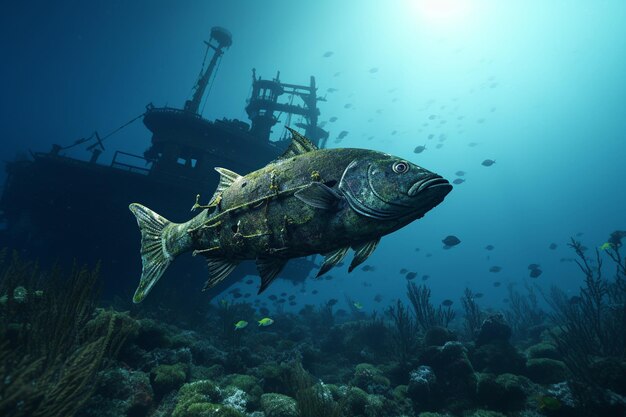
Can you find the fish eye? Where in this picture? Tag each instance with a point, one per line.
(400, 167)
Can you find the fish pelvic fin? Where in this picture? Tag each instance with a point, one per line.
(155, 254)
(362, 252)
(332, 259)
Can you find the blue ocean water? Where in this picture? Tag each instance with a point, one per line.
(450, 85)
(536, 86)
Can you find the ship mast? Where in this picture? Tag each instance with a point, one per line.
(223, 39)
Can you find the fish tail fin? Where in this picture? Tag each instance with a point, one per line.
(155, 257)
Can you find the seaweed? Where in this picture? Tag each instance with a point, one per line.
(405, 331)
(473, 316)
(591, 324)
(524, 314)
(425, 314)
(51, 346)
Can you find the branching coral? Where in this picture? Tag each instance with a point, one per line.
(524, 314)
(425, 313)
(592, 323)
(405, 331)
(473, 315)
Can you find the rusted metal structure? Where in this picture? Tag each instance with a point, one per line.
(59, 207)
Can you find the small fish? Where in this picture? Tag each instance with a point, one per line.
(489, 247)
(343, 134)
(419, 149)
(548, 403)
(314, 292)
(331, 90)
(264, 322)
(451, 240)
(606, 246)
(411, 275)
(241, 324)
(328, 54)
(459, 173)
(373, 70)
(347, 105)
(333, 119)
(533, 266)
(332, 302)
(478, 295)
(488, 162)
(337, 74)
(403, 271)
(273, 297)
(495, 269)
(249, 281)
(368, 268)
(534, 273)
(357, 305)
(497, 284)
(378, 298)
(447, 303)
(458, 181)
(291, 297)
(425, 277)
(472, 144)
(552, 246)
(439, 146)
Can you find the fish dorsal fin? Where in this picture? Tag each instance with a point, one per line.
(269, 267)
(362, 252)
(332, 259)
(299, 145)
(319, 196)
(227, 177)
(219, 268)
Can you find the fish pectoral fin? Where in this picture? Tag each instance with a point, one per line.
(362, 252)
(219, 268)
(269, 267)
(332, 259)
(299, 145)
(319, 196)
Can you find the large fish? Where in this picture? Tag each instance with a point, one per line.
(308, 201)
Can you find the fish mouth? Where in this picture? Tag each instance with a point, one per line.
(430, 183)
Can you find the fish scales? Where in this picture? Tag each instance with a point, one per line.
(308, 201)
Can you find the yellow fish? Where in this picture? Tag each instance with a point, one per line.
(241, 324)
(606, 246)
(265, 321)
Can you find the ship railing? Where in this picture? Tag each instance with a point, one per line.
(122, 160)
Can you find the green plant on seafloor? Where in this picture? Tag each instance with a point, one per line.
(591, 324)
(51, 347)
(425, 314)
(473, 315)
(405, 332)
(313, 400)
